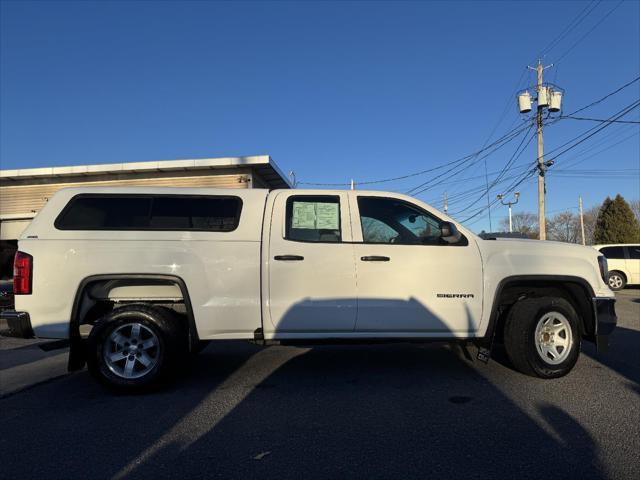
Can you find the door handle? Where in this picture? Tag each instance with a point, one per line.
(375, 258)
(288, 257)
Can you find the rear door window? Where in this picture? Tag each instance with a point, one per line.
(313, 218)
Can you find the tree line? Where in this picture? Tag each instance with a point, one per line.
(615, 221)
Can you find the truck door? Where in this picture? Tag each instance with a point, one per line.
(408, 279)
(310, 265)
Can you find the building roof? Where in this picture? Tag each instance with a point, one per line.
(263, 165)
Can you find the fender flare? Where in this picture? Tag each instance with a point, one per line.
(77, 350)
(487, 340)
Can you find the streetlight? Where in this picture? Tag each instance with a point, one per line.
(500, 197)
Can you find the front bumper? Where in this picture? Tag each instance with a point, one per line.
(18, 322)
(605, 320)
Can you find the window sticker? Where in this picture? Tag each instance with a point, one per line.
(315, 216)
(327, 216)
(304, 215)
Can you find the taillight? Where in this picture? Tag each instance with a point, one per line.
(22, 273)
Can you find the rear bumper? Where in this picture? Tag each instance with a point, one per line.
(605, 320)
(19, 323)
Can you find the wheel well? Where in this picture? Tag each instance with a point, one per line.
(98, 295)
(620, 272)
(573, 291)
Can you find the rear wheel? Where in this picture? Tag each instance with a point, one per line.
(135, 347)
(541, 337)
(617, 280)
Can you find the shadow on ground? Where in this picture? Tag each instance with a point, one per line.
(377, 411)
(401, 411)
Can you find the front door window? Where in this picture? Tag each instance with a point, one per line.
(388, 220)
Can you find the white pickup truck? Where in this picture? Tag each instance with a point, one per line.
(154, 272)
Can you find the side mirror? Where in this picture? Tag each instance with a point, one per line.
(449, 232)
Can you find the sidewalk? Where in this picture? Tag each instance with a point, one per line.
(24, 364)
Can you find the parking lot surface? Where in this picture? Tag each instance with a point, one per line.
(383, 411)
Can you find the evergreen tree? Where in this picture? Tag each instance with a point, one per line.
(616, 223)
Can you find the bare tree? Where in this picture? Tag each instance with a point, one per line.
(564, 227)
(590, 217)
(635, 208)
(523, 222)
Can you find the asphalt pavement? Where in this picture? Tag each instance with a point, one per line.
(382, 411)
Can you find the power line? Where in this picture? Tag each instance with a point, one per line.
(599, 119)
(605, 97)
(509, 190)
(507, 137)
(623, 171)
(461, 196)
(474, 157)
(588, 32)
(605, 138)
(531, 172)
(584, 159)
(516, 154)
(593, 130)
(599, 129)
(600, 176)
(504, 112)
(569, 28)
(578, 140)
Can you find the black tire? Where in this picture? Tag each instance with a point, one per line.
(617, 280)
(171, 350)
(520, 342)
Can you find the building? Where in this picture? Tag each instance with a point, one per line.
(23, 192)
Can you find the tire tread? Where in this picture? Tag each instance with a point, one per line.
(173, 339)
(519, 342)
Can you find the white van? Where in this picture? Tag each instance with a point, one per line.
(624, 264)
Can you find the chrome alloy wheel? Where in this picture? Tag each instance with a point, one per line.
(615, 281)
(131, 351)
(553, 338)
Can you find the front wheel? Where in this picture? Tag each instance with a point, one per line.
(541, 337)
(135, 347)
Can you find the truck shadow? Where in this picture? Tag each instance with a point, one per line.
(401, 411)
(379, 411)
(623, 355)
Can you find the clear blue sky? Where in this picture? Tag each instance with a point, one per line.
(332, 90)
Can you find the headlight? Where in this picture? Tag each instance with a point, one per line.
(604, 268)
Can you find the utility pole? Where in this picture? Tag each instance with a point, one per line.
(500, 197)
(446, 207)
(353, 184)
(542, 225)
(581, 219)
(549, 97)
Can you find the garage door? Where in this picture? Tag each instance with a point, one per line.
(11, 229)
